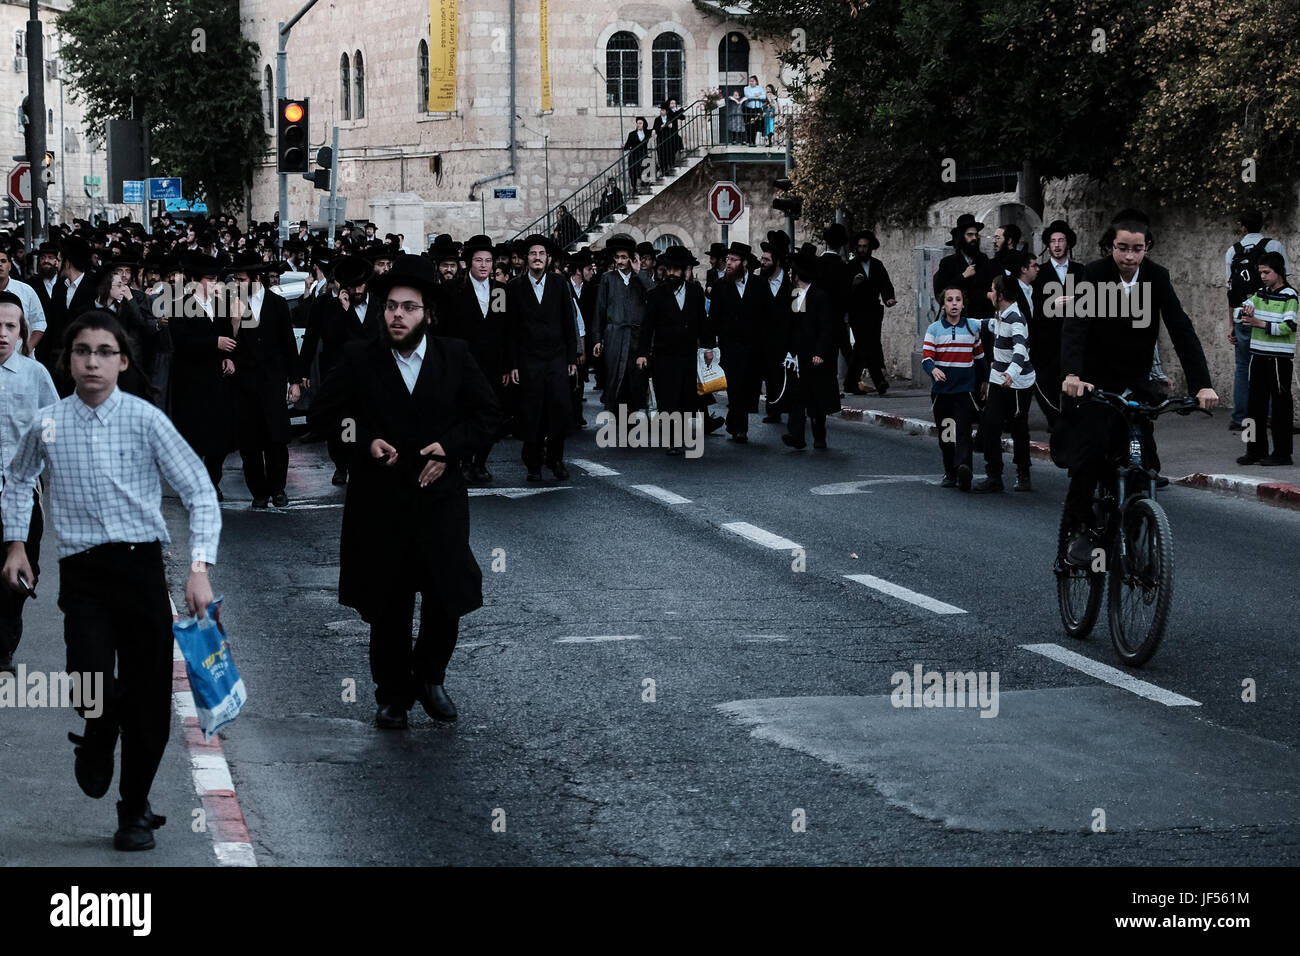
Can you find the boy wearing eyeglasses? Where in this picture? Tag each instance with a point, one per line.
(112, 586)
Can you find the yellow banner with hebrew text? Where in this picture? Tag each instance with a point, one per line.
(546, 56)
(442, 55)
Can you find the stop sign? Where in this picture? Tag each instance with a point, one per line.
(20, 185)
(725, 202)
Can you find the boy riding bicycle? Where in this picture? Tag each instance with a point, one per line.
(1110, 348)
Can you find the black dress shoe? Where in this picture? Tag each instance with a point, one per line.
(1162, 481)
(390, 717)
(1022, 481)
(535, 476)
(481, 474)
(260, 502)
(949, 481)
(712, 423)
(1248, 460)
(433, 698)
(280, 499)
(1079, 551)
(963, 477)
(559, 471)
(819, 443)
(340, 477)
(741, 439)
(674, 452)
(135, 827)
(1236, 427)
(220, 496)
(986, 486)
(94, 762)
(1271, 460)
(796, 443)
(771, 419)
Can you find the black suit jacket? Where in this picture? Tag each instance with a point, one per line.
(740, 322)
(462, 318)
(1113, 352)
(60, 314)
(869, 293)
(1045, 328)
(387, 515)
(540, 333)
(266, 359)
(333, 329)
(975, 287)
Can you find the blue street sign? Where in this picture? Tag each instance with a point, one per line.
(184, 205)
(510, 193)
(169, 188)
(133, 190)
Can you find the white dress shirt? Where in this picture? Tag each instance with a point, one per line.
(1062, 269)
(775, 282)
(409, 365)
(539, 286)
(72, 289)
(25, 388)
(483, 291)
(33, 311)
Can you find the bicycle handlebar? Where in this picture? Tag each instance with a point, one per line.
(1182, 405)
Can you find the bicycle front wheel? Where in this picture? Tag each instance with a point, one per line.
(1078, 590)
(1141, 582)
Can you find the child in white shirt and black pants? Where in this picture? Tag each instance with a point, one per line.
(1011, 388)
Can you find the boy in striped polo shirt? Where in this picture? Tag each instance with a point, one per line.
(952, 355)
(1011, 388)
(1270, 314)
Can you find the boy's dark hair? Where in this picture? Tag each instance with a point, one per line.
(1011, 233)
(1129, 220)
(131, 381)
(952, 288)
(1006, 287)
(1018, 260)
(1274, 260)
(1251, 219)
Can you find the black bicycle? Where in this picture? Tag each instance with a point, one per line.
(1135, 545)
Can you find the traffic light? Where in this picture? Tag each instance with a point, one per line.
(47, 166)
(291, 137)
(320, 178)
(792, 206)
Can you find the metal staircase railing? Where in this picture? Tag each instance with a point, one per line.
(586, 208)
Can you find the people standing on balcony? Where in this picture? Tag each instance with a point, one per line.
(636, 147)
(735, 119)
(666, 142)
(769, 114)
(755, 99)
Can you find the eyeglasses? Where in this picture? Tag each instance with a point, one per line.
(1121, 248)
(410, 308)
(85, 351)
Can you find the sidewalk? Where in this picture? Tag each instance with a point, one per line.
(45, 819)
(1195, 451)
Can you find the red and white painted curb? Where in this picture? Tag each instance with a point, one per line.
(211, 774)
(1240, 486)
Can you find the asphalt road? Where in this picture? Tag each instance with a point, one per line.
(770, 737)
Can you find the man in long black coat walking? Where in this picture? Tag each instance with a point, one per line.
(266, 360)
(812, 343)
(422, 406)
(738, 316)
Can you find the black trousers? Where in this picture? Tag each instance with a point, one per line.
(395, 665)
(1047, 384)
(799, 409)
(867, 353)
(266, 469)
(214, 464)
(743, 365)
(955, 413)
(116, 613)
(11, 601)
(1003, 403)
(1270, 379)
(1093, 437)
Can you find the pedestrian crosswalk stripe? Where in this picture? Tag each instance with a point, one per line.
(1111, 675)
(904, 594)
(592, 468)
(597, 638)
(662, 494)
(756, 534)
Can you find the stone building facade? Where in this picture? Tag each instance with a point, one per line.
(416, 172)
(65, 133)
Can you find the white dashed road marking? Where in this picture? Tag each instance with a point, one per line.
(593, 469)
(597, 638)
(903, 594)
(1111, 675)
(756, 534)
(661, 494)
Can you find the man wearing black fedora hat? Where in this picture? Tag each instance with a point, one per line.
(474, 310)
(774, 270)
(339, 321)
(620, 310)
(870, 292)
(1047, 320)
(717, 266)
(74, 294)
(738, 315)
(815, 392)
(202, 343)
(266, 361)
(421, 407)
(445, 252)
(966, 267)
(543, 346)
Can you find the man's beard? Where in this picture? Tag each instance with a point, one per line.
(673, 282)
(971, 248)
(48, 270)
(407, 342)
(767, 271)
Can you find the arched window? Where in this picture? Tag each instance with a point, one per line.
(345, 88)
(668, 68)
(733, 59)
(666, 240)
(359, 78)
(268, 96)
(622, 70)
(422, 57)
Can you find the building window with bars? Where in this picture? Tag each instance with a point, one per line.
(345, 88)
(359, 79)
(422, 57)
(668, 68)
(622, 70)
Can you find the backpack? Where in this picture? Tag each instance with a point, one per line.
(1245, 276)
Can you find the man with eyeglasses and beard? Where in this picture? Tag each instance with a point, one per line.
(966, 268)
(421, 407)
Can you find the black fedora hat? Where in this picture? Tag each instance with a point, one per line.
(536, 239)
(416, 272)
(777, 241)
(197, 265)
(718, 250)
(806, 263)
(868, 235)
(964, 222)
(620, 244)
(677, 257)
(1060, 225)
(248, 262)
(644, 249)
(444, 248)
(739, 249)
(477, 244)
(351, 270)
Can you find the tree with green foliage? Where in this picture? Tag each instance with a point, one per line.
(1161, 97)
(185, 67)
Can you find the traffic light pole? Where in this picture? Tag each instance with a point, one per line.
(789, 165)
(334, 185)
(282, 92)
(39, 214)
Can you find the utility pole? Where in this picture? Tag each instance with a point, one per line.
(334, 185)
(39, 214)
(281, 92)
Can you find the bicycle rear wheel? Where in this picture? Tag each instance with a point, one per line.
(1078, 590)
(1141, 583)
